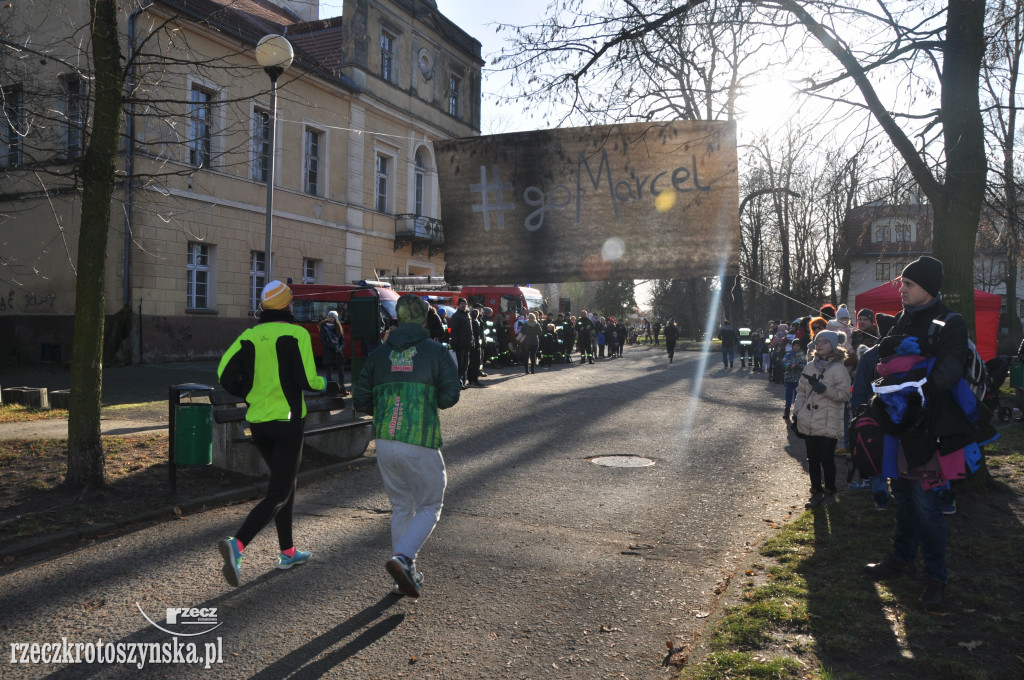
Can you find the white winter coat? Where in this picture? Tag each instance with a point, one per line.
(821, 415)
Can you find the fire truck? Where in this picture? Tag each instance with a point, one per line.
(312, 301)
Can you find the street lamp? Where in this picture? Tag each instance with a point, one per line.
(274, 53)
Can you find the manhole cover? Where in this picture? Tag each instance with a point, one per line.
(622, 461)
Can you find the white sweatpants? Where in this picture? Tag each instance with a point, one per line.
(414, 479)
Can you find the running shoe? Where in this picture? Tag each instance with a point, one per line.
(300, 557)
(402, 570)
(232, 560)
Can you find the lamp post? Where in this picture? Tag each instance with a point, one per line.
(274, 53)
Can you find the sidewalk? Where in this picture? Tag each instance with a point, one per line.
(144, 387)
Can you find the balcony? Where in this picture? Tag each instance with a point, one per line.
(419, 232)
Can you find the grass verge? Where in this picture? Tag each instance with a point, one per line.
(17, 413)
(802, 609)
(34, 502)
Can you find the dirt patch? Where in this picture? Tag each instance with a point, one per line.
(33, 501)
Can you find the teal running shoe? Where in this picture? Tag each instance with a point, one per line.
(232, 560)
(300, 557)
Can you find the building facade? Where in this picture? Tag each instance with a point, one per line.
(355, 191)
(884, 238)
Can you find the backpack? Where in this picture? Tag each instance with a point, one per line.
(868, 441)
(975, 372)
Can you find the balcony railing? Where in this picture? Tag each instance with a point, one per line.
(419, 232)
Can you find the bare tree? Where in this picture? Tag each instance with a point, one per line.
(67, 137)
(936, 48)
(1000, 79)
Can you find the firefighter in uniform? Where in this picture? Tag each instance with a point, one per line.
(746, 344)
(490, 351)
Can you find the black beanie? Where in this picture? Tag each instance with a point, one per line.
(926, 272)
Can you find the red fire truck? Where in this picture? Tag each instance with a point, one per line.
(312, 301)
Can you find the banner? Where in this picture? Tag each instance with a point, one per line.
(613, 202)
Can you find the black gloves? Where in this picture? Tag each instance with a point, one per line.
(333, 388)
(816, 384)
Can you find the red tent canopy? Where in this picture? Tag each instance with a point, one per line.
(886, 299)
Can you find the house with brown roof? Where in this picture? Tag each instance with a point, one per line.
(884, 238)
(355, 185)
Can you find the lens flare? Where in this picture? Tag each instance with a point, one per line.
(613, 249)
(665, 200)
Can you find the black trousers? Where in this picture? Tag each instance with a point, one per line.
(462, 358)
(821, 459)
(280, 444)
(473, 370)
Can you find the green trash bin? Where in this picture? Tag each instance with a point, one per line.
(1017, 375)
(193, 434)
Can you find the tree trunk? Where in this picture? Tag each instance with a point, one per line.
(958, 208)
(85, 446)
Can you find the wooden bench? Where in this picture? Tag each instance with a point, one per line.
(340, 435)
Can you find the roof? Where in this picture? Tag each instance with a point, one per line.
(318, 49)
(322, 41)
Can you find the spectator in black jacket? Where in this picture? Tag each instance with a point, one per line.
(462, 338)
(434, 326)
(476, 351)
(671, 335)
(920, 518)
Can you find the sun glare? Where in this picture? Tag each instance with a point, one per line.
(766, 105)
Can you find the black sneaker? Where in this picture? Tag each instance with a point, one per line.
(932, 597)
(817, 498)
(403, 572)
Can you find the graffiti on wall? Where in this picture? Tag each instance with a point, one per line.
(31, 302)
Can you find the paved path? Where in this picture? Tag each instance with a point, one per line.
(544, 565)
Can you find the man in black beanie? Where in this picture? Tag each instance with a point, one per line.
(919, 512)
(925, 272)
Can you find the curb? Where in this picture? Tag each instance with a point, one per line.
(31, 546)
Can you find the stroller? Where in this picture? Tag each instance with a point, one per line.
(998, 368)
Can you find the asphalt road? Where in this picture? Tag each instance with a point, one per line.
(544, 565)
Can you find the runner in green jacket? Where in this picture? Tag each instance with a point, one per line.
(403, 384)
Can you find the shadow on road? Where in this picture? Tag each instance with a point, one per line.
(292, 665)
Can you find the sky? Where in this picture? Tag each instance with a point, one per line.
(480, 19)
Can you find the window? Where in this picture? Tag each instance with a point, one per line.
(200, 122)
(382, 183)
(260, 145)
(419, 182)
(74, 111)
(309, 268)
(257, 278)
(881, 271)
(12, 126)
(454, 95)
(311, 167)
(894, 230)
(387, 56)
(198, 276)
(1002, 270)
